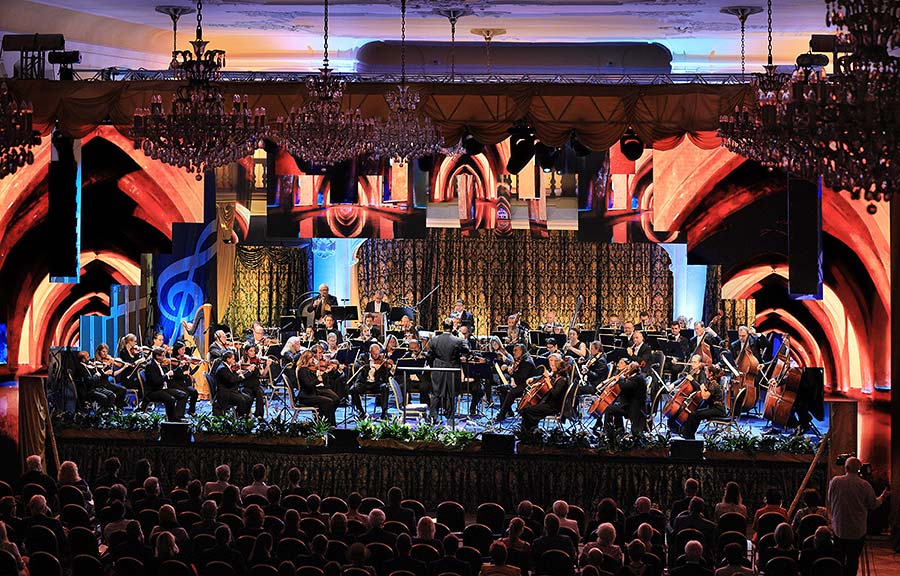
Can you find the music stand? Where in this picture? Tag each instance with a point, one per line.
(538, 339)
(671, 348)
(398, 313)
(409, 366)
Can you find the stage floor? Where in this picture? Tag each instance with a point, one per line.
(346, 418)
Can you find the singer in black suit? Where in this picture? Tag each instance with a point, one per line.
(323, 304)
(445, 351)
(156, 387)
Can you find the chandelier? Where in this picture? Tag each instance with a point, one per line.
(197, 133)
(17, 135)
(405, 134)
(322, 133)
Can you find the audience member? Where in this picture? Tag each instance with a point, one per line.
(223, 475)
(642, 507)
(403, 561)
(152, 499)
(231, 501)
(693, 518)
(262, 550)
(39, 515)
(605, 543)
(449, 563)
(397, 513)
(551, 540)
(10, 548)
(223, 551)
(693, 562)
(293, 487)
(353, 502)
(258, 486)
(561, 509)
(34, 474)
(425, 531)
(376, 531)
(168, 522)
(850, 498)
(735, 558)
(111, 468)
(812, 504)
(772, 504)
(498, 566)
(358, 557)
(823, 547)
(691, 488)
(208, 523)
(731, 501)
(525, 511)
(142, 471)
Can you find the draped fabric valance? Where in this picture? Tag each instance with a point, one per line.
(599, 114)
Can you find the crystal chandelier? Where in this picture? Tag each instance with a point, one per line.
(17, 135)
(405, 134)
(322, 133)
(197, 133)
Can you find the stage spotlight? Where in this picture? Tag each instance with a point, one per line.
(472, 146)
(545, 156)
(580, 149)
(631, 145)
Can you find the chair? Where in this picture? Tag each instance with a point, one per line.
(478, 536)
(289, 548)
(731, 522)
(312, 526)
(101, 495)
(333, 504)
(273, 525)
(68, 494)
(174, 568)
(417, 507)
(75, 515)
(417, 410)
(84, 565)
(293, 406)
(8, 564)
(491, 515)
(336, 551)
(235, 522)
(355, 527)
(370, 503)
(808, 543)
(217, 568)
(827, 567)
(808, 525)
(83, 541)
(211, 383)
(314, 571)
(570, 534)
(128, 566)
(179, 495)
(470, 556)
(244, 545)
(294, 502)
(41, 539)
(568, 405)
(148, 518)
(44, 564)
(452, 514)
(31, 490)
(764, 549)
(379, 553)
(187, 519)
(396, 527)
(351, 571)
(685, 536)
(257, 499)
(577, 514)
(5, 489)
(781, 566)
(767, 523)
(203, 542)
(554, 563)
(263, 570)
(440, 531)
(401, 573)
(733, 417)
(729, 537)
(424, 552)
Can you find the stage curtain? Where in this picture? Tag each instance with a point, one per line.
(598, 113)
(267, 280)
(498, 276)
(712, 301)
(467, 477)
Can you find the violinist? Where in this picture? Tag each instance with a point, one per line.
(184, 367)
(630, 402)
(110, 368)
(466, 335)
(252, 384)
(595, 368)
(228, 378)
(552, 345)
(461, 316)
(711, 393)
(514, 330)
(159, 341)
(419, 382)
(337, 377)
(481, 387)
(312, 390)
(259, 339)
(365, 337)
(551, 403)
(575, 348)
(133, 357)
(291, 350)
(676, 335)
(373, 371)
(390, 345)
(639, 351)
(158, 388)
(89, 384)
(519, 372)
(329, 327)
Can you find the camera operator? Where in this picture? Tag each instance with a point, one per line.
(850, 498)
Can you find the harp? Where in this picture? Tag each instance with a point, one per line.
(195, 335)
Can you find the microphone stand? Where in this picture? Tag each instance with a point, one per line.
(417, 304)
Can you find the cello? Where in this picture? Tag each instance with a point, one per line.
(784, 382)
(535, 390)
(685, 399)
(748, 366)
(608, 390)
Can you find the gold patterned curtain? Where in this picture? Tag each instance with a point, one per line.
(267, 279)
(498, 276)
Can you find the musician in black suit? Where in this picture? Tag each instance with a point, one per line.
(522, 369)
(373, 373)
(676, 335)
(377, 304)
(639, 351)
(713, 395)
(445, 351)
(595, 369)
(311, 390)
(183, 379)
(156, 386)
(630, 402)
(329, 327)
(217, 349)
(644, 323)
(463, 316)
(748, 338)
(711, 337)
(91, 387)
(228, 383)
(323, 304)
(552, 402)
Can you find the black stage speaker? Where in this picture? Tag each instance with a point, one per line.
(688, 450)
(64, 191)
(344, 439)
(804, 239)
(497, 443)
(177, 433)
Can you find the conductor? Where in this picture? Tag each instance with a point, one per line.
(445, 351)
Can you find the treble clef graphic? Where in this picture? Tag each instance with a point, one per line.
(177, 292)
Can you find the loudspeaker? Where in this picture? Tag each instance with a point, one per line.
(804, 239)
(344, 439)
(175, 433)
(686, 450)
(497, 443)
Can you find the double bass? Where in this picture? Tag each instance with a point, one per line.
(748, 365)
(702, 349)
(684, 400)
(783, 384)
(608, 390)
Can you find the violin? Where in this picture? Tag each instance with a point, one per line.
(609, 390)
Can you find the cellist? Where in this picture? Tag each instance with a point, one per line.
(712, 396)
(630, 402)
(552, 401)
